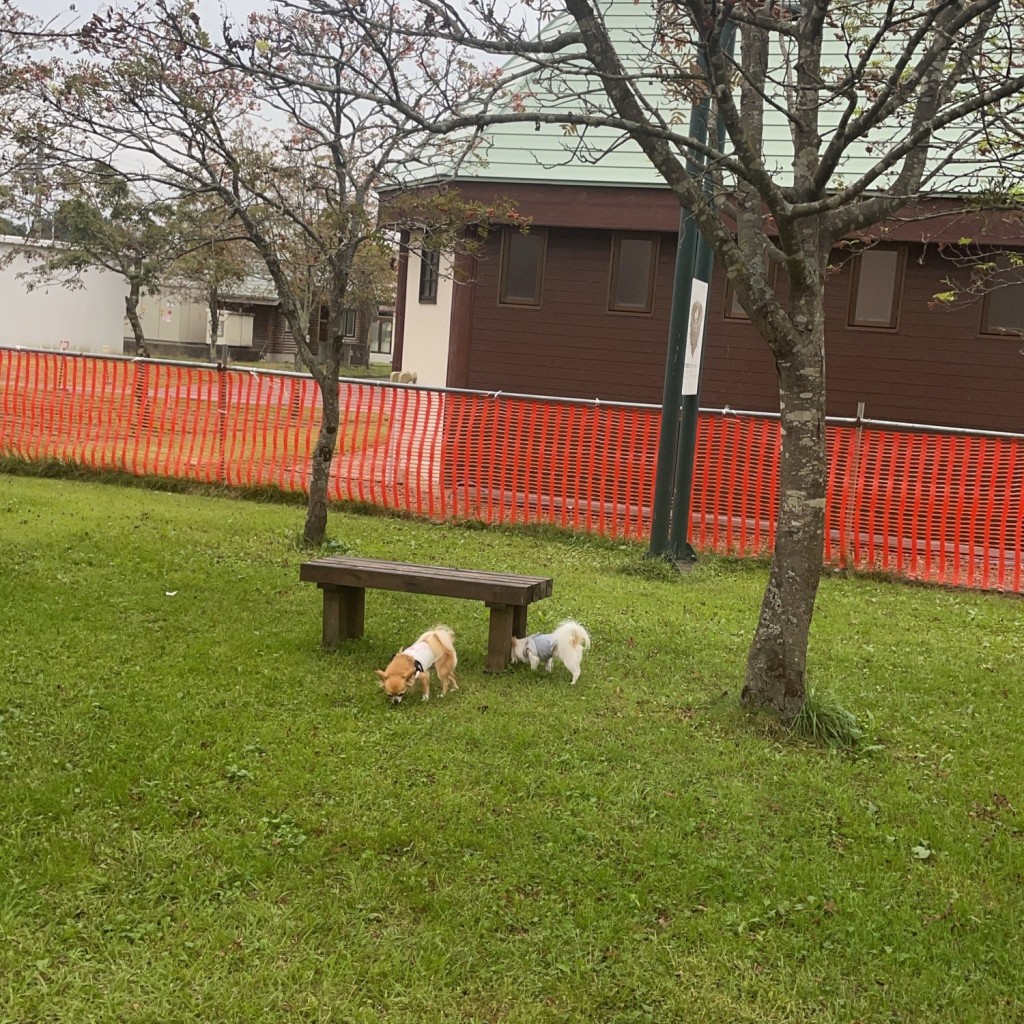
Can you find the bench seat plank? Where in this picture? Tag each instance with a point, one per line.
(434, 580)
(345, 580)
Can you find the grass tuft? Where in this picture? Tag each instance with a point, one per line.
(643, 566)
(823, 720)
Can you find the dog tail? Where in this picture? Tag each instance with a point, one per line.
(573, 633)
(446, 632)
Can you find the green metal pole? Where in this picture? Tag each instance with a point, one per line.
(679, 542)
(668, 455)
(704, 261)
(661, 515)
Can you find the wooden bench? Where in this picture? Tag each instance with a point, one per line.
(344, 582)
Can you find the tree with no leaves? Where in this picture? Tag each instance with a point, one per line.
(832, 116)
(294, 166)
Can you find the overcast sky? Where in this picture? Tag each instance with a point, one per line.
(209, 10)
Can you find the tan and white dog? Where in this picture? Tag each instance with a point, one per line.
(567, 643)
(434, 649)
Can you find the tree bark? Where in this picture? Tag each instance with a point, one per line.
(213, 305)
(326, 374)
(323, 455)
(366, 313)
(776, 663)
(131, 308)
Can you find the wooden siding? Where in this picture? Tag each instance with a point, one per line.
(936, 367)
(401, 284)
(460, 333)
(635, 208)
(570, 345)
(582, 206)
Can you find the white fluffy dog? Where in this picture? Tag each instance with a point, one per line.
(567, 643)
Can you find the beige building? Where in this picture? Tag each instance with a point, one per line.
(89, 316)
(172, 319)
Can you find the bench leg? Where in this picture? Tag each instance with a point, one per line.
(344, 614)
(499, 637)
(519, 621)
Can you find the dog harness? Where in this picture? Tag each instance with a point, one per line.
(542, 644)
(422, 654)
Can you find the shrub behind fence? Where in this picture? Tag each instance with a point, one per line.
(943, 508)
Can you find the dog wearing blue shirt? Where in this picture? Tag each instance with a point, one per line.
(566, 644)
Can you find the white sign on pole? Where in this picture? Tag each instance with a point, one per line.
(695, 335)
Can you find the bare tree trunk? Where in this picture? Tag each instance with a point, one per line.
(326, 443)
(320, 475)
(325, 368)
(776, 663)
(366, 312)
(131, 308)
(213, 305)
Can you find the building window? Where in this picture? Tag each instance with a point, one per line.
(380, 336)
(876, 288)
(430, 271)
(633, 269)
(348, 323)
(522, 268)
(1002, 310)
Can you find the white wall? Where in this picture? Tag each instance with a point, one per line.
(86, 319)
(427, 325)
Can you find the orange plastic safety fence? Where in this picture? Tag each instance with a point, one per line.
(735, 491)
(519, 460)
(934, 507)
(940, 508)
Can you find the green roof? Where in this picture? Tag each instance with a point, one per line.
(552, 154)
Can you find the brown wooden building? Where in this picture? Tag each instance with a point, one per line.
(579, 307)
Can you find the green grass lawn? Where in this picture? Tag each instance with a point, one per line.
(203, 817)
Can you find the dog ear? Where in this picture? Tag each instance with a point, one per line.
(382, 677)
